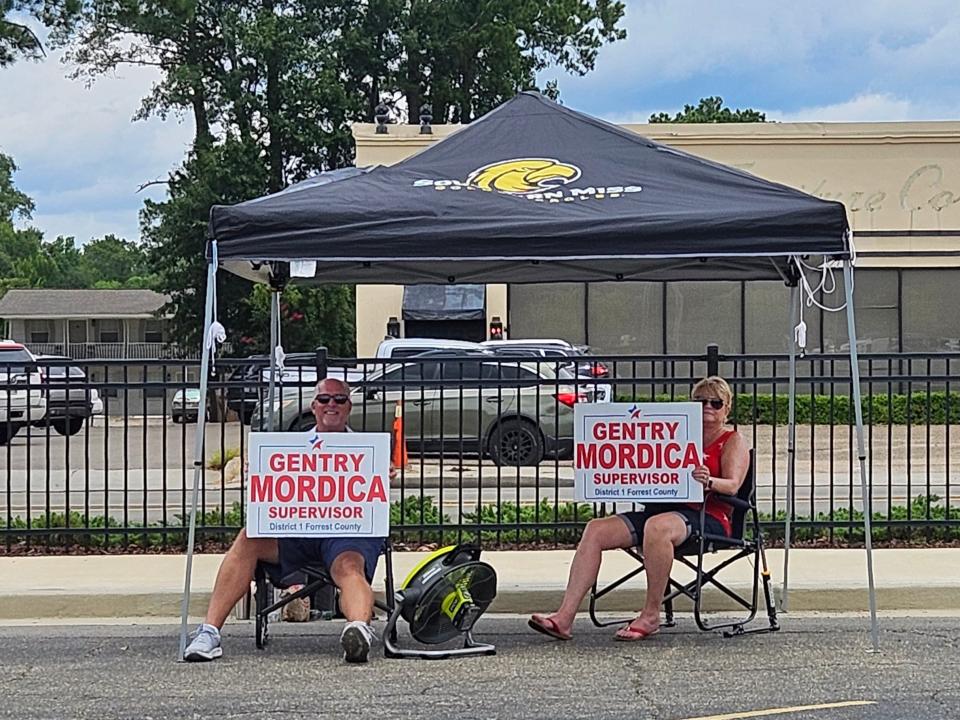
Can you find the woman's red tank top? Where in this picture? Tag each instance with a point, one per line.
(712, 455)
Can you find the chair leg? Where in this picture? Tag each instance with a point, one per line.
(261, 602)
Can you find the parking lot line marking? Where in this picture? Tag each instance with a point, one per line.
(784, 710)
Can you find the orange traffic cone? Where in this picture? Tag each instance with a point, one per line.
(399, 459)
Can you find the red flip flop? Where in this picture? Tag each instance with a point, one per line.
(547, 626)
(629, 633)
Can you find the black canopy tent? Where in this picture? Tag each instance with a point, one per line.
(535, 192)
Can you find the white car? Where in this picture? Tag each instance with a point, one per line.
(591, 371)
(22, 400)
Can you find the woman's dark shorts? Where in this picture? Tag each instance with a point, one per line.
(295, 553)
(636, 519)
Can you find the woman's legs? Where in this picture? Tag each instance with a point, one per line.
(599, 535)
(661, 534)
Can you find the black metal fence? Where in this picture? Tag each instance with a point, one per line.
(110, 464)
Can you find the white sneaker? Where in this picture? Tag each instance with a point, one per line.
(205, 645)
(355, 640)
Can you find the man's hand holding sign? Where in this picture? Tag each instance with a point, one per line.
(321, 485)
(319, 497)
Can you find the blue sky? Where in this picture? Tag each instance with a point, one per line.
(82, 158)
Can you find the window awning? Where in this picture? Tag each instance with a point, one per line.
(444, 302)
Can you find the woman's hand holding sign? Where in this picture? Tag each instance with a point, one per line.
(701, 474)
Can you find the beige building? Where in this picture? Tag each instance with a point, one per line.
(900, 183)
(87, 323)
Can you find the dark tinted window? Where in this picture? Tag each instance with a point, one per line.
(460, 370)
(407, 373)
(15, 359)
(401, 352)
(509, 371)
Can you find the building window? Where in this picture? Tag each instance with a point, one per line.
(38, 331)
(109, 331)
(153, 331)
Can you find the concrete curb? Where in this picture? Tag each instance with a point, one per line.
(518, 601)
(528, 581)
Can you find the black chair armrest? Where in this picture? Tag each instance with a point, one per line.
(732, 501)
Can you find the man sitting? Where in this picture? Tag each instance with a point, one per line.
(351, 561)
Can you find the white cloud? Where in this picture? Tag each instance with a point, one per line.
(797, 54)
(80, 155)
(85, 225)
(871, 107)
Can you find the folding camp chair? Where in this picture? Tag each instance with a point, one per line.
(316, 578)
(699, 544)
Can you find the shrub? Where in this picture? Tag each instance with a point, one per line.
(218, 462)
(939, 408)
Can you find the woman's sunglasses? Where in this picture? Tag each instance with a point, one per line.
(324, 399)
(715, 403)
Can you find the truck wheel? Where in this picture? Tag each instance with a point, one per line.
(70, 426)
(516, 442)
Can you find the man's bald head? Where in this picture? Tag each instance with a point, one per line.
(333, 386)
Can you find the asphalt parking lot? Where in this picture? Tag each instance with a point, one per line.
(816, 668)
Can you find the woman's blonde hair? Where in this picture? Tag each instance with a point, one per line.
(717, 385)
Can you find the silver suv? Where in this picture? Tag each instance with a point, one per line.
(458, 402)
(22, 399)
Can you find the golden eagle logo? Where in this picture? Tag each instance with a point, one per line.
(523, 175)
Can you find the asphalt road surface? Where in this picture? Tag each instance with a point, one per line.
(816, 668)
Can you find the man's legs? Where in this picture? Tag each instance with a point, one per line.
(356, 595)
(599, 535)
(236, 573)
(233, 580)
(356, 604)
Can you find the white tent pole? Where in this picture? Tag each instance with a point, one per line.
(274, 341)
(791, 443)
(198, 448)
(867, 499)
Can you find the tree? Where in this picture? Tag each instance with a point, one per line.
(17, 40)
(710, 110)
(15, 244)
(273, 85)
(112, 259)
(465, 57)
(308, 319)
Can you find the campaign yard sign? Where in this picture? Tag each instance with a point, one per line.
(318, 484)
(637, 452)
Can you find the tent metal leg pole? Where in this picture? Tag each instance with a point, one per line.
(274, 341)
(791, 445)
(197, 453)
(861, 451)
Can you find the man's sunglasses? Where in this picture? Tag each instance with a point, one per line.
(715, 403)
(324, 399)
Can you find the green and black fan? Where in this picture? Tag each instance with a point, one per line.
(442, 598)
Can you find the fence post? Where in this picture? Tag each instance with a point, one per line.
(321, 362)
(713, 359)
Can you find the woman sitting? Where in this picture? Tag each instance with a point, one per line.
(660, 527)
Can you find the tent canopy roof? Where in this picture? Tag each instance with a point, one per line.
(532, 192)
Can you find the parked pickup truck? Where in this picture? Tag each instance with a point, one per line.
(247, 384)
(70, 399)
(22, 399)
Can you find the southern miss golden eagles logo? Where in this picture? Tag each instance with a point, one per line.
(523, 176)
(537, 179)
